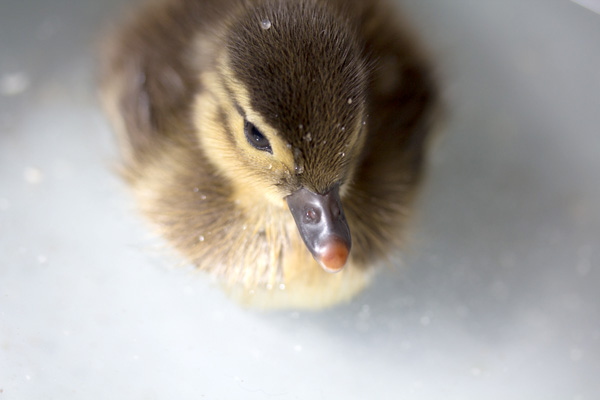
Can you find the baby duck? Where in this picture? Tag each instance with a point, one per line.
(272, 142)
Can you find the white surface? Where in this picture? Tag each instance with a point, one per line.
(498, 299)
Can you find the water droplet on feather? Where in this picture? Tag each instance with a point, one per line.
(265, 24)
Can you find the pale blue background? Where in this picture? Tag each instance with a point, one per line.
(498, 298)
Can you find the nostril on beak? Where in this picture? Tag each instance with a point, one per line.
(335, 211)
(312, 216)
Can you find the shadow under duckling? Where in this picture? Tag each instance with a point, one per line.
(273, 142)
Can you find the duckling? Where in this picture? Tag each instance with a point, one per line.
(277, 144)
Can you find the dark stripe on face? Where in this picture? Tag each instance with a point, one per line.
(224, 122)
(222, 116)
(238, 108)
(231, 97)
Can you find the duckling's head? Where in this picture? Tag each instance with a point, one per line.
(282, 116)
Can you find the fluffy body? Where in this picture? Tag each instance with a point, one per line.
(339, 89)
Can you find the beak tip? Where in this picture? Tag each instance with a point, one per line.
(334, 256)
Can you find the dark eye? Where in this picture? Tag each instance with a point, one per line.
(256, 138)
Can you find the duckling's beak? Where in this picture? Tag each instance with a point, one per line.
(322, 225)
